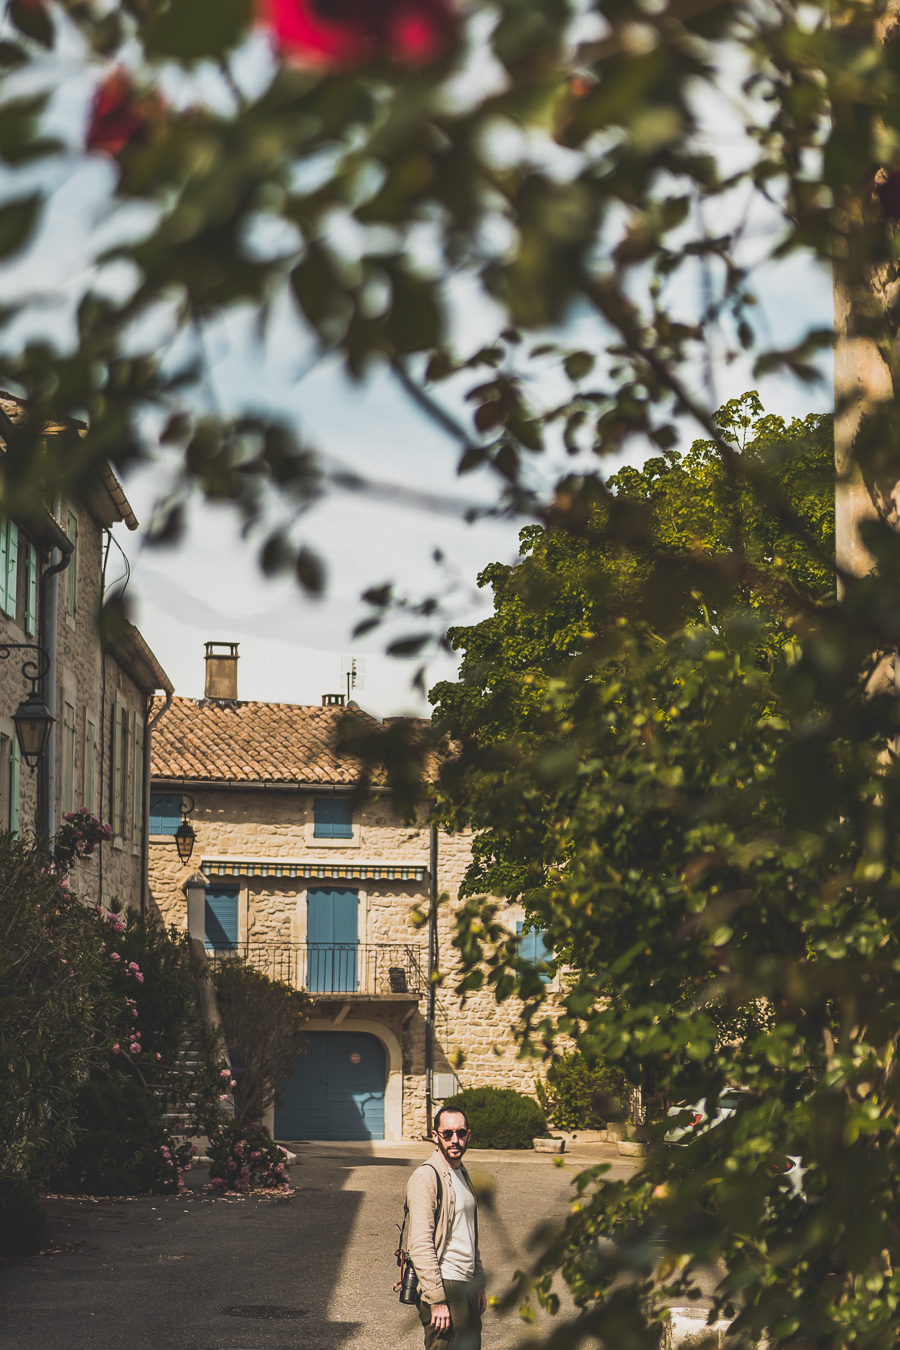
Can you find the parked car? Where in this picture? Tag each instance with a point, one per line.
(702, 1116)
(709, 1112)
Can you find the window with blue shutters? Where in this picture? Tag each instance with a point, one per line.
(333, 818)
(165, 814)
(535, 949)
(221, 916)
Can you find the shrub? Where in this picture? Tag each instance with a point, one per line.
(243, 1155)
(566, 1094)
(123, 1147)
(23, 1221)
(55, 1002)
(499, 1117)
(263, 1024)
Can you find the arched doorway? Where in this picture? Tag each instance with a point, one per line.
(336, 1090)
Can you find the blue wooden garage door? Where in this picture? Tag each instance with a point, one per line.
(336, 1090)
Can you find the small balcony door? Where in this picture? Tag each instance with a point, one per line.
(332, 935)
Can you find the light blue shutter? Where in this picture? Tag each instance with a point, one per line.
(4, 561)
(31, 590)
(14, 786)
(221, 917)
(165, 814)
(12, 569)
(333, 818)
(332, 938)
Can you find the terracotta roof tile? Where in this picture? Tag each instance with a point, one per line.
(231, 741)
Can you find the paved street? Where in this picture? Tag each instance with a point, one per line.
(194, 1272)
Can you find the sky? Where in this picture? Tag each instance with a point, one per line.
(293, 648)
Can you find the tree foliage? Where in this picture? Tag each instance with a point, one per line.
(701, 787)
(702, 816)
(263, 1023)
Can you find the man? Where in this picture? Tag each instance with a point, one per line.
(443, 1240)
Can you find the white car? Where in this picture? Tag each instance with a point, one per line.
(700, 1119)
(706, 1114)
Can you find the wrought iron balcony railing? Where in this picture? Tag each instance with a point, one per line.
(372, 968)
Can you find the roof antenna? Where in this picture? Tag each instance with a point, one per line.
(353, 672)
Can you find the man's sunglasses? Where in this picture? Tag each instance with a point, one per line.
(447, 1135)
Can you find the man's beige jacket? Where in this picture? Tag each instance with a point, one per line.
(429, 1231)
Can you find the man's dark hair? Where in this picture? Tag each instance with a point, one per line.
(448, 1110)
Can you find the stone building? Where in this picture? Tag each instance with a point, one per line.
(319, 889)
(53, 580)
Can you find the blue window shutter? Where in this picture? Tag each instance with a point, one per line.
(333, 818)
(165, 814)
(31, 590)
(4, 562)
(222, 916)
(12, 568)
(332, 935)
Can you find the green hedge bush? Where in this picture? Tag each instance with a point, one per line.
(499, 1117)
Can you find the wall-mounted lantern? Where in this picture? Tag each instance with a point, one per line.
(185, 835)
(32, 719)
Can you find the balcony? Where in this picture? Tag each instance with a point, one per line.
(370, 970)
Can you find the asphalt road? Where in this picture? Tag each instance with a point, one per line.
(313, 1271)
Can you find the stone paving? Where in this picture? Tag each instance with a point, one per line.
(314, 1271)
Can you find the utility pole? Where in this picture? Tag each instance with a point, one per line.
(432, 970)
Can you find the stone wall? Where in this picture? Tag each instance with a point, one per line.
(91, 684)
(475, 1039)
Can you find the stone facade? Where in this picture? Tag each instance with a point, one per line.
(99, 695)
(244, 829)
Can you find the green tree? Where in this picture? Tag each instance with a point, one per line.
(703, 818)
(563, 604)
(263, 1023)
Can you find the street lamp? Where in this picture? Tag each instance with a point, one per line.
(184, 841)
(32, 719)
(185, 834)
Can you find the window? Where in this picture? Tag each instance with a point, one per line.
(119, 769)
(535, 949)
(221, 916)
(31, 572)
(333, 818)
(9, 566)
(68, 749)
(90, 747)
(72, 569)
(165, 814)
(138, 781)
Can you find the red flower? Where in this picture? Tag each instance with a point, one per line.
(120, 115)
(346, 33)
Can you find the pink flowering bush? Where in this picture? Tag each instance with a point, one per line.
(242, 1156)
(78, 837)
(143, 1084)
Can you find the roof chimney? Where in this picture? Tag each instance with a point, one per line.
(332, 700)
(221, 670)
